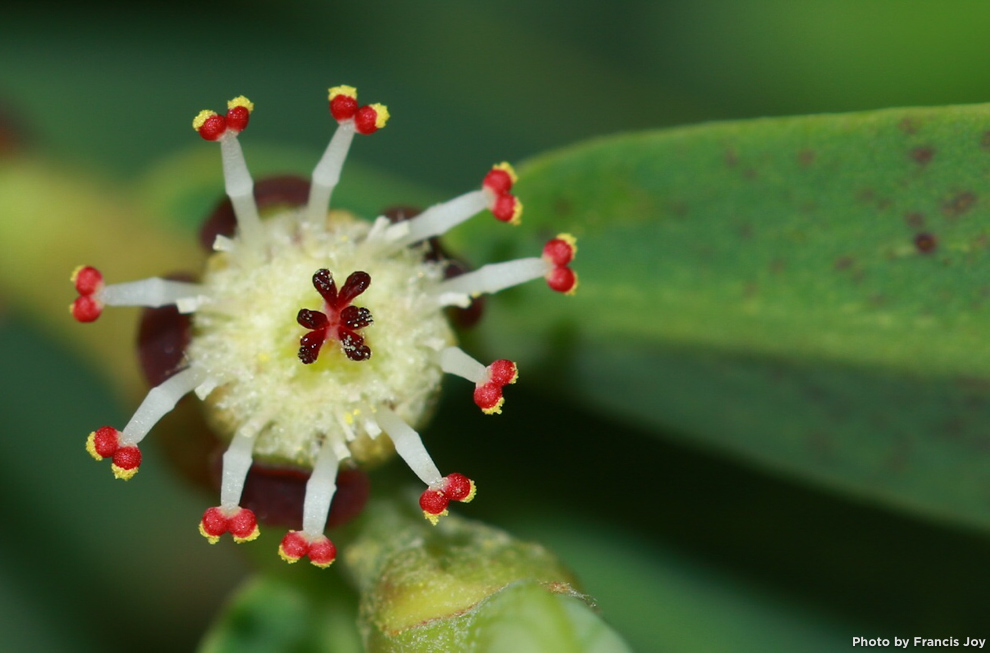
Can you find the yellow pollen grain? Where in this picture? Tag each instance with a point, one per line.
(381, 115)
(213, 539)
(91, 441)
(123, 474)
(570, 240)
(574, 287)
(253, 535)
(507, 167)
(241, 101)
(285, 556)
(516, 213)
(348, 91)
(202, 117)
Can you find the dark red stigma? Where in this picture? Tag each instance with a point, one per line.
(338, 320)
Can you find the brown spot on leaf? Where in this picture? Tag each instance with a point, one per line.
(923, 155)
(749, 173)
(777, 266)
(985, 140)
(844, 262)
(958, 204)
(926, 243)
(731, 157)
(915, 219)
(806, 157)
(745, 231)
(909, 125)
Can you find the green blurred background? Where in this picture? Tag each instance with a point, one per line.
(683, 549)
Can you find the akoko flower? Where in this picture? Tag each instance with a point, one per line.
(318, 339)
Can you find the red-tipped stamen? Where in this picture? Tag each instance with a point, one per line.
(103, 442)
(293, 547)
(210, 125)
(343, 102)
(108, 442)
(322, 552)
(560, 250)
(507, 208)
(238, 113)
(500, 178)
(296, 544)
(459, 487)
(95, 294)
(88, 281)
(492, 278)
(434, 505)
(435, 499)
(237, 180)
(351, 119)
(126, 461)
(370, 118)
(440, 218)
(488, 397)
(488, 380)
(241, 523)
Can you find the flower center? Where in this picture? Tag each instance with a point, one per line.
(339, 320)
(249, 338)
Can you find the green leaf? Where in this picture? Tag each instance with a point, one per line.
(759, 287)
(272, 613)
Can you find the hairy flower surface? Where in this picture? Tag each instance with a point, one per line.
(319, 340)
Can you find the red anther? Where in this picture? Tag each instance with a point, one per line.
(343, 102)
(562, 280)
(211, 126)
(243, 525)
(343, 107)
(87, 280)
(106, 441)
(506, 208)
(353, 346)
(86, 308)
(311, 319)
(503, 372)
(127, 458)
(356, 317)
(325, 285)
(488, 397)
(433, 502)
(294, 546)
(214, 523)
(322, 552)
(559, 250)
(458, 487)
(356, 284)
(498, 180)
(368, 119)
(310, 345)
(237, 118)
